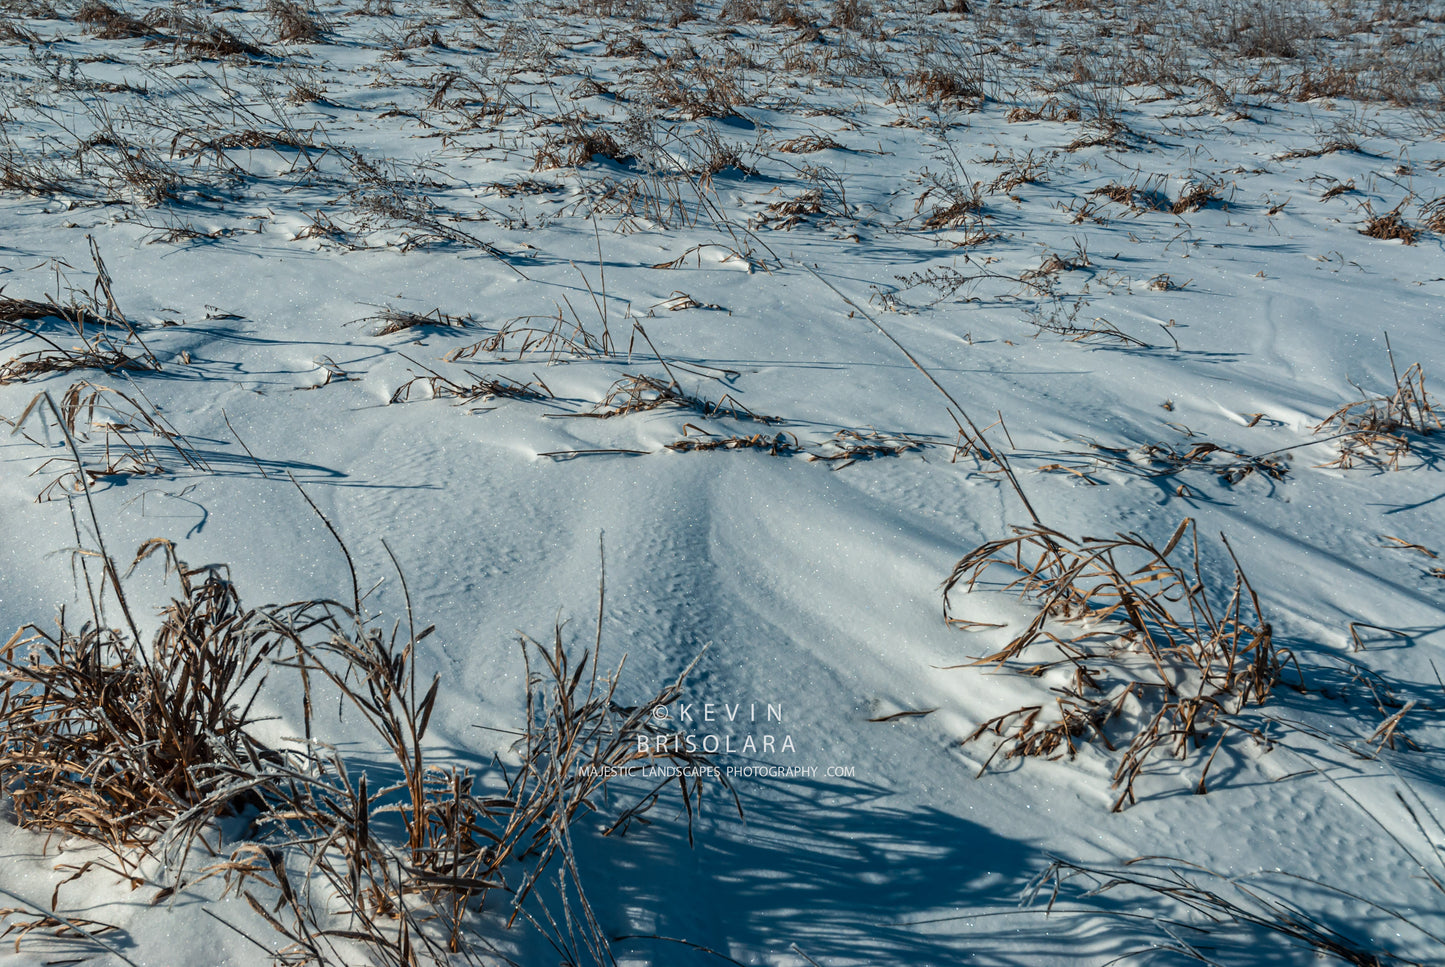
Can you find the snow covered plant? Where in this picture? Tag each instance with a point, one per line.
(152, 752)
(1137, 645)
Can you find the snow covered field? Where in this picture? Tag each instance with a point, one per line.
(723, 337)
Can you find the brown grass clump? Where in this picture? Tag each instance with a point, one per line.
(524, 336)
(640, 394)
(96, 322)
(780, 13)
(23, 310)
(142, 748)
(481, 389)
(412, 902)
(792, 212)
(957, 208)
(1050, 110)
(784, 14)
(1168, 460)
(855, 15)
(1389, 226)
(98, 350)
(107, 740)
(1145, 199)
(117, 431)
(577, 147)
(295, 24)
(847, 447)
(28, 175)
(1020, 171)
(1195, 198)
(189, 143)
(1329, 145)
(1432, 216)
(28, 366)
(1123, 194)
(807, 144)
(14, 33)
(200, 37)
(1053, 264)
(391, 321)
(705, 87)
(720, 158)
(933, 84)
(1144, 641)
(1378, 430)
(782, 443)
(108, 23)
(1329, 81)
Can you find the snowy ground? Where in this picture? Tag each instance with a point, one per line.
(1105, 233)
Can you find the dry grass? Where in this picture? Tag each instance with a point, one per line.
(14, 33)
(563, 338)
(98, 349)
(104, 739)
(777, 12)
(1432, 216)
(391, 321)
(295, 24)
(807, 144)
(1153, 655)
(1141, 665)
(1147, 198)
(412, 902)
(189, 143)
(479, 390)
(696, 86)
(28, 366)
(1390, 226)
(1195, 198)
(23, 310)
(1378, 430)
(641, 394)
(1066, 323)
(847, 447)
(118, 433)
(109, 23)
(789, 213)
(141, 748)
(1050, 110)
(957, 209)
(96, 322)
(777, 445)
(1026, 170)
(1105, 134)
(200, 37)
(1172, 459)
(1209, 911)
(576, 147)
(855, 15)
(935, 84)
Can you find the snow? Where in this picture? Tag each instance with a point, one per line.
(803, 584)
